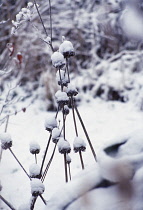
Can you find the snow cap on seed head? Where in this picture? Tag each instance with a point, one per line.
(6, 141)
(50, 123)
(56, 135)
(79, 144)
(66, 48)
(34, 147)
(34, 170)
(58, 60)
(37, 187)
(63, 146)
(61, 97)
(71, 90)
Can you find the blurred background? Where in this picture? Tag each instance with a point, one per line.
(108, 39)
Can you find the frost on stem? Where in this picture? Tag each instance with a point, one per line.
(62, 79)
(34, 170)
(79, 144)
(71, 90)
(63, 146)
(61, 97)
(66, 48)
(6, 141)
(50, 123)
(37, 187)
(34, 148)
(58, 60)
(56, 135)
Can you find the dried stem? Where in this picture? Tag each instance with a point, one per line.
(19, 163)
(7, 121)
(81, 159)
(86, 134)
(64, 128)
(35, 158)
(45, 154)
(48, 165)
(69, 170)
(7, 203)
(34, 198)
(74, 119)
(67, 69)
(66, 172)
(43, 199)
(61, 80)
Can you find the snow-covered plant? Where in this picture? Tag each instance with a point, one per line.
(50, 123)
(37, 187)
(6, 140)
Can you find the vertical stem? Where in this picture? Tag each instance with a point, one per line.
(35, 159)
(61, 80)
(72, 103)
(19, 163)
(64, 129)
(33, 201)
(81, 159)
(67, 68)
(7, 203)
(86, 134)
(69, 170)
(66, 173)
(45, 154)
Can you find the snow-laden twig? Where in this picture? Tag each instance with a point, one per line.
(7, 203)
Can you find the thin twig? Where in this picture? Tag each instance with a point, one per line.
(19, 163)
(43, 199)
(7, 203)
(45, 154)
(74, 119)
(86, 134)
(35, 158)
(66, 172)
(81, 159)
(48, 165)
(64, 128)
(67, 68)
(69, 170)
(33, 201)
(60, 80)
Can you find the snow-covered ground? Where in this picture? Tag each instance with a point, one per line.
(107, 123)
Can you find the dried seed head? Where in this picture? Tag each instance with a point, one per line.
(61, 97)
(50, 123)
(62, 79)
(56, 135)
(37, 187)
(66, 110)
(79, 145)
(71, 90)
(58, 60)
(6, 141)
(63, 146)
(34, 170)
(34, 148)
(66, 48)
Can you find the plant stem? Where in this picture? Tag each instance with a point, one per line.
(19, 163)
(64, 128)
(61, 80)
(48, 165)
(69, 170)
(35, 159)
(45, 154)
(72, 103)
(86, 134)
(7, 203)
(43, 199)
(33, 201)
(67, 68)
(7, 121)
(66, 173)
(81, 159)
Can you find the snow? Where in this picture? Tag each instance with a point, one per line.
(79, 144)
(58, 60)
(61, 96)
(63, 146)
(56, 135)
(34, 147)
(34, 170)
(37, 187)
(66, 48)
(107, 123)
(6, 141)
(50, 123)
(24, 207)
